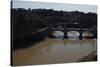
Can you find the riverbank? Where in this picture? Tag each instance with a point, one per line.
(28, 40)
(90, 57)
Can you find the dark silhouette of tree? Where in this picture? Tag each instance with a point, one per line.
(30, 20)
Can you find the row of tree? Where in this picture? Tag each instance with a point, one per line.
(30, 20)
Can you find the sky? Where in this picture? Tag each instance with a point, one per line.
(55, 6)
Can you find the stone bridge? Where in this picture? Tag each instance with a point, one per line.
(80, 30)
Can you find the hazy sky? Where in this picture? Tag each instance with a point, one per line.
(55, 6)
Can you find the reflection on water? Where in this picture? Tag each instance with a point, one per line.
(54, 51)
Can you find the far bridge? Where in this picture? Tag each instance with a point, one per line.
(80, 30)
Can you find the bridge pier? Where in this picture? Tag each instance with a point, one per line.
(80, 37)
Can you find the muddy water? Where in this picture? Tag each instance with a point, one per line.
(54, 51)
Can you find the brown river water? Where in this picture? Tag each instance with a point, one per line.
(52, 51)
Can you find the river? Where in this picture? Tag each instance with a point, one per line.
(52, 51)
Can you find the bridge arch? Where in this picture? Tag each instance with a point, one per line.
(86, 34)
(73, 35)
(58, 34)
